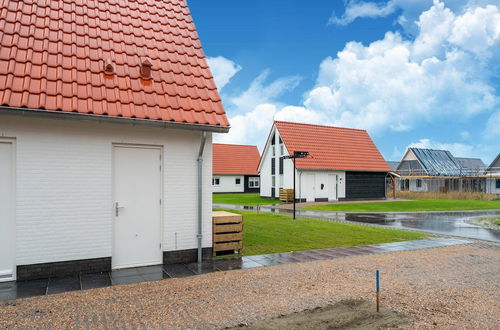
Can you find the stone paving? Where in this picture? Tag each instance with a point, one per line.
(25, 289)
(455, 286)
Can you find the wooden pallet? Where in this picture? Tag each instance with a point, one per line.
(227, 232)
(286, 195)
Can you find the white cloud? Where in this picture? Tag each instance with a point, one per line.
(493, 128)
(259, 92)
(223, 70)
(397, 84)
(457, 149)
(360, 9)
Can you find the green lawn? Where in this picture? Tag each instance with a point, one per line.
(409, 206)
(274, 233)
(243, 199)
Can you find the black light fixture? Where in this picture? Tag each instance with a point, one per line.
(296, 154)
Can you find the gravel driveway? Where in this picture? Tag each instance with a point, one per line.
(455, 287)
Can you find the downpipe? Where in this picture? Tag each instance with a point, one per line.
(199, 160)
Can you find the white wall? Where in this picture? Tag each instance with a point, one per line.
(308, 185)
(64, 186)
(227, 183)
(491, 186)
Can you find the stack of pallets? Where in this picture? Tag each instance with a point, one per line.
(227, 232)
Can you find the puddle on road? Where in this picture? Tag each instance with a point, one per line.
(447, 223)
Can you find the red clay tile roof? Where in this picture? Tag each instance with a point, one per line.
(334, 148)
(53, 56)
(235, 159)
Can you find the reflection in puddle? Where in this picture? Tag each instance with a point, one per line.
(448, 223)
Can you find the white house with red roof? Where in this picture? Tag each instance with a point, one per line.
(342, 163)
(107, 111)
(234, 168)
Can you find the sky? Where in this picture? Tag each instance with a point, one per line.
(413, 73)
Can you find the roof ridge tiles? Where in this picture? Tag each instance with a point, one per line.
(318, 125)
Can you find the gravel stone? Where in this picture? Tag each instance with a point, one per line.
(449, 287)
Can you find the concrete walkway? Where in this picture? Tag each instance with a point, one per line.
(453, 286)
(24, 289)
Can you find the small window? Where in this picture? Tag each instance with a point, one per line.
(281, 165)
(273, 141)
(274, 151)
(215, 181)
(419, 183)
(273, 166)
(237, 181)
(273, 181)
(498, 183)
(282, 150)
(253, 182)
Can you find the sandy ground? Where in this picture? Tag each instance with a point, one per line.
(451, 287)
(347, 314)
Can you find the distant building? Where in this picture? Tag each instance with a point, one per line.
(235, 168)
(343, 163)
(424, 170)
(493, 176)
(393, 164)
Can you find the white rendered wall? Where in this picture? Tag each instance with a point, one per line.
(227, 183)
(64, 186)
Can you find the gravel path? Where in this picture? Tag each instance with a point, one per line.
(450, 287)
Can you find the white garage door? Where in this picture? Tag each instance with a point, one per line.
(137, 208)
(7, 227)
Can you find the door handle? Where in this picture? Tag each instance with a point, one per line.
(117, 208)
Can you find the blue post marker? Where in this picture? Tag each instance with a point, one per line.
(377, 279)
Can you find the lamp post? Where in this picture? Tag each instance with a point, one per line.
(296, 154)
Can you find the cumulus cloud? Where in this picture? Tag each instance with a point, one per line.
(223, 70)
(457, 149)
(493, 127)
(361, 9)
(259, 92)
(396, 83)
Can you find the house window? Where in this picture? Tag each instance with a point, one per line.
(273, 181)
(215, 181)
(274, 151)
(282, 150)
(237, 181)
(498, 183)
(281, 165)
(273, 166)
(253, 182)
(273, 141)
(419, 183)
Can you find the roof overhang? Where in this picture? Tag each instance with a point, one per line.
(76, 116)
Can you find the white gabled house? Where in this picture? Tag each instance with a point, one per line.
(235, 168)
(105, 139)
(343, 163)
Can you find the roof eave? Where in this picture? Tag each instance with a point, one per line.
(41, 113)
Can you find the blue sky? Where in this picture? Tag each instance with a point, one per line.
(411, 72)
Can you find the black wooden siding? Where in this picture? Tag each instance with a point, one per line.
(247, 188)
(365, 185)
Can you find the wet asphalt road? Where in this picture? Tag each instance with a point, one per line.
(456, 223)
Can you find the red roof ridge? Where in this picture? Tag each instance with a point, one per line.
(318, 125)
(235, 144)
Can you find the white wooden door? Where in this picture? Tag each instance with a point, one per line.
(7, 225)
(322, 188)
(137, 206)
(307, 186)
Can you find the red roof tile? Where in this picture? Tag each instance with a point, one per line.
(53, 55)
(333, 148)
(235, 159)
